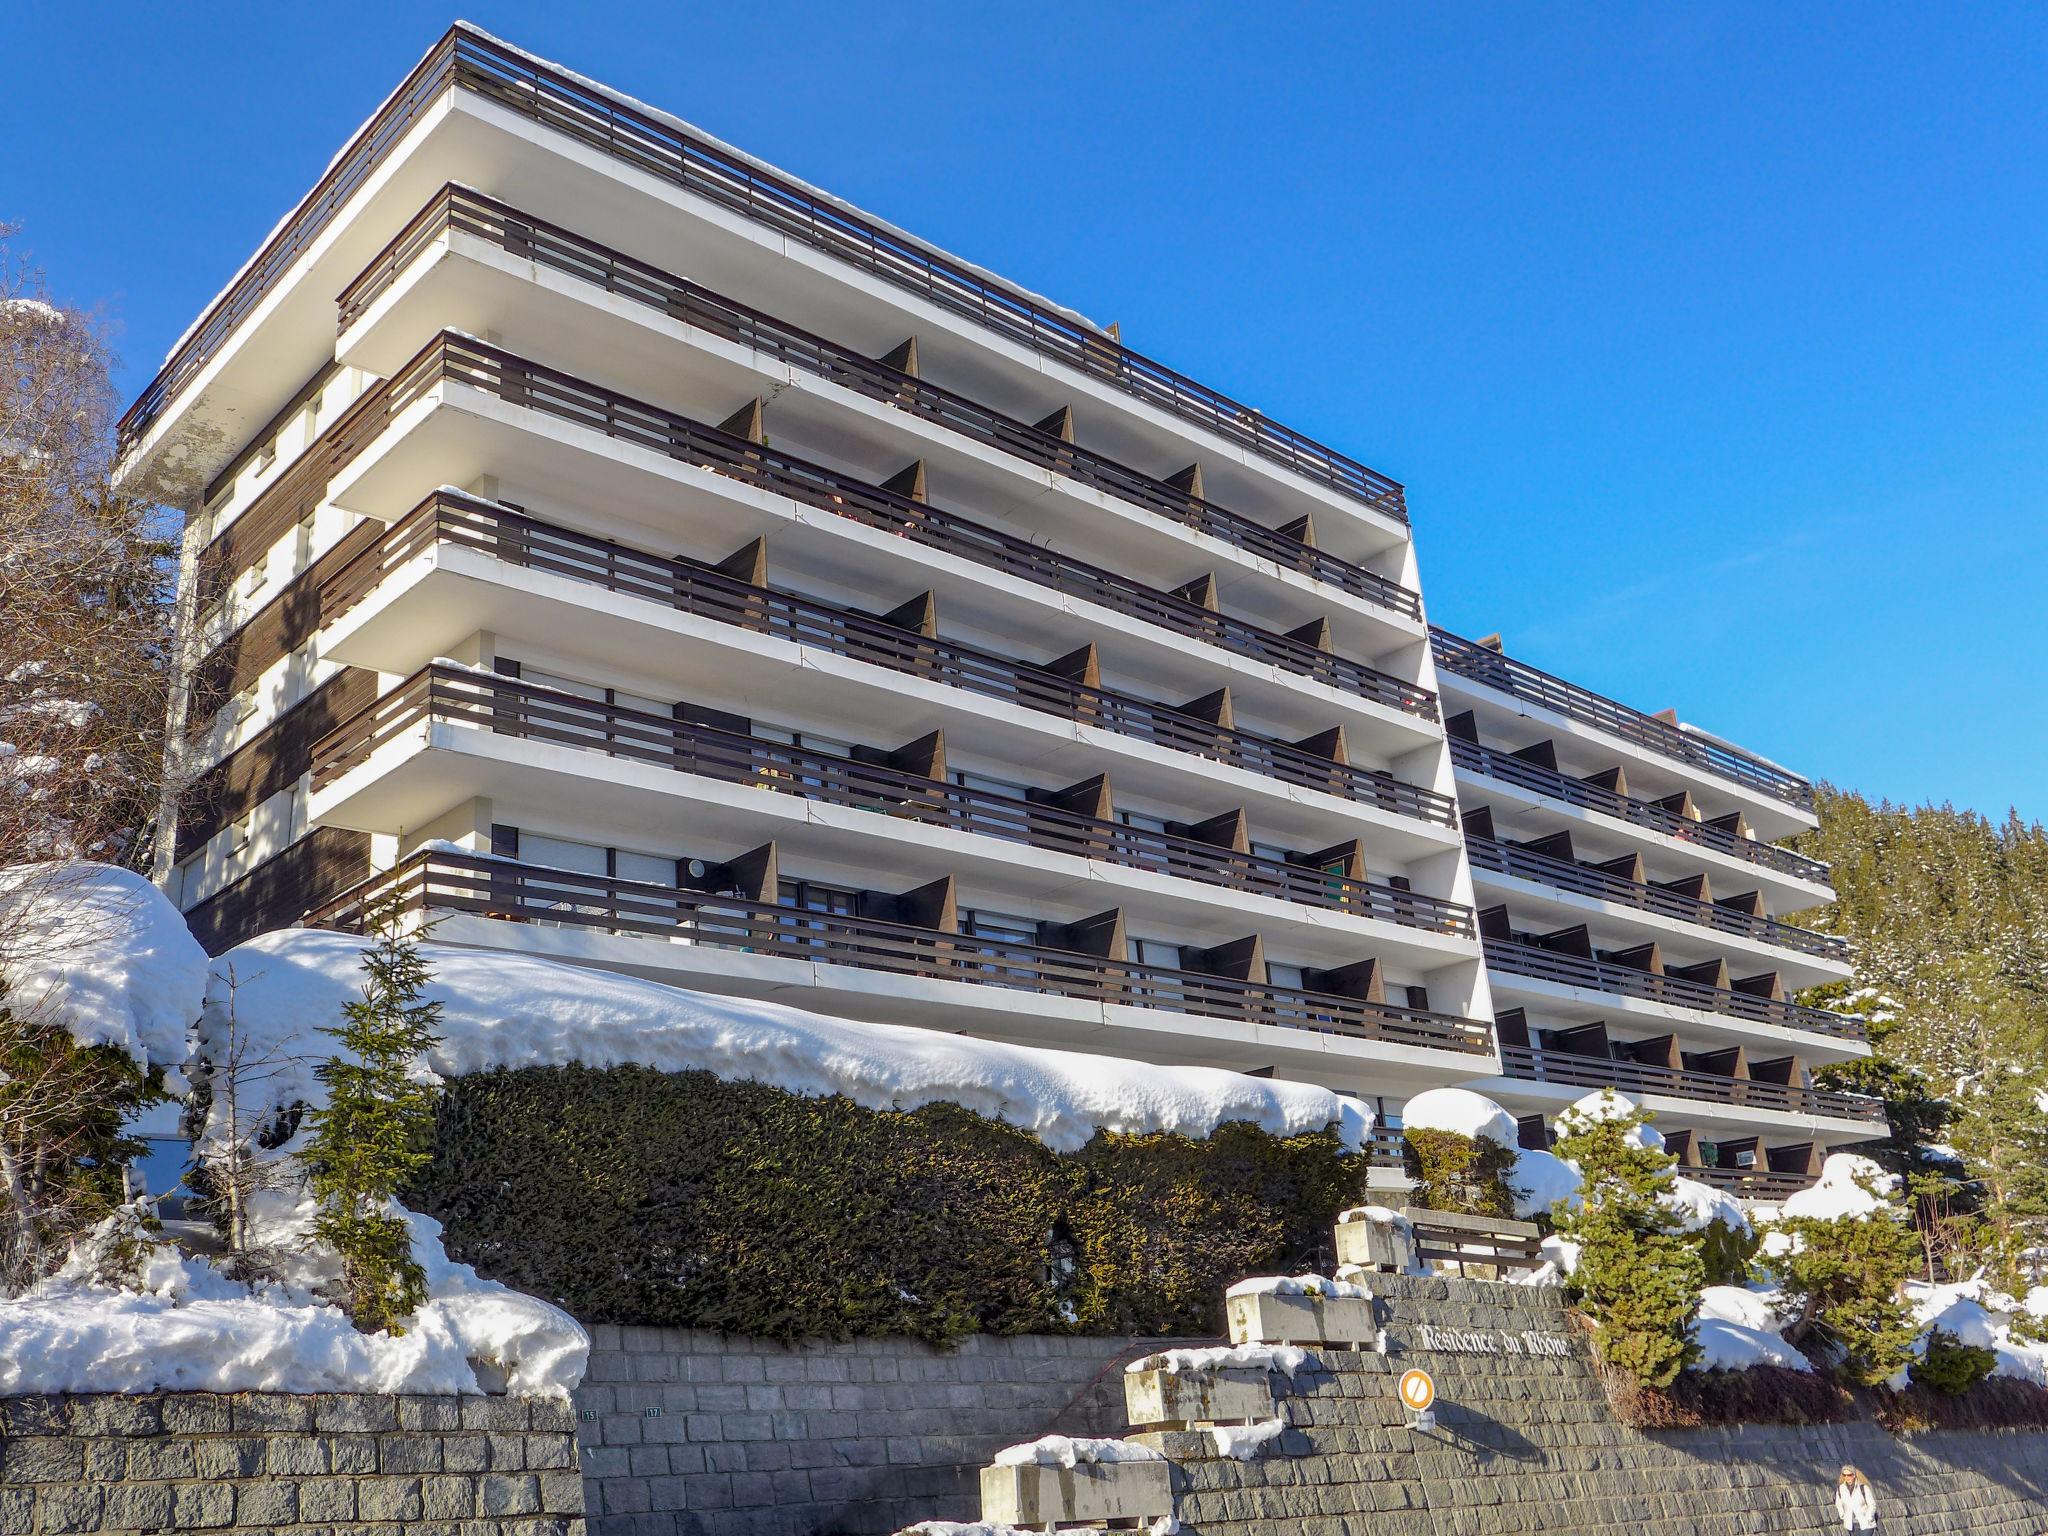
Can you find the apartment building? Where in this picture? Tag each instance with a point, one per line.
(613, 548)
(1632, 900)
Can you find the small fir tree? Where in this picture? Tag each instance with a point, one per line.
(1639, 1273)
(372, 1134)
(1842, 1275)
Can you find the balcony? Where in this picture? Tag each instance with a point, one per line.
(1471, 757)
(606, 125)
(453, 520)
(1562, 874)
(1523, 682)
(1765, 1184)
(1570, 970)
(509, 708)
(413, 271)
(1592, 1072)
(497, 377)
(448, 884)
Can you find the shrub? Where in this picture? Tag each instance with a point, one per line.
(635, 1196)
(1950, 1366)
(1459, 1173)
(1639, 1275)
(1760, 1394)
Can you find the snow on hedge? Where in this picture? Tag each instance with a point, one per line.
(1979, 1315)
(511, 1010)
(185, 1326)
(1606, 1104)
(1697, 1206)
(99, 952)
(1462, 1112)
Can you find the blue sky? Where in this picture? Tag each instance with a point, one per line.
(1711, 341)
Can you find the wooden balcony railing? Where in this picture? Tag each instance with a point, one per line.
(548, 245)
(1484, 665)
(1471, 757)
(1750, 1183)
(1545, 1066)
(1605, 976)
(1504, 858)
(663, 148)
(507, 707)
(439, 882)
(452, 518)
(519, 382)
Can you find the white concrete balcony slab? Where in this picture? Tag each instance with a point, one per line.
(1529, 802)
(428, 602)
(1561, 1004)
(456, 433)
(1617, 924)
(656, 338)
(425, 762)
(892, 973)
(1516, 704)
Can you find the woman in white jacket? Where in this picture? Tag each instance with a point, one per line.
(1856, 1501)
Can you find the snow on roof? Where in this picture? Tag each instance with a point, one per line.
(99, 952)
(511, 1010)
(1460, 1111)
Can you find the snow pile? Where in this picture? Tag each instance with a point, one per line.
(99, 952)
(1378, 1215)
(1284, 1358)
(1977, 1314)
(1462, 1112)
(1850, 1186)
(1606, 1104)
(1738, 1328)
(1243, 1442)
(187, 1327)
(511, 1010)
(1697, 1206)
(1319, 1286)
(1540, 1180)
(1065, 1451)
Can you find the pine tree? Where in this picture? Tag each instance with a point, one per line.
(1639, 1273)
(1843, 1276)
(372, 1133)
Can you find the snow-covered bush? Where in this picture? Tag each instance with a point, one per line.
(1461, 1148)
(1950, 1366)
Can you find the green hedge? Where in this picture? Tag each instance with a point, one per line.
(635, 1196)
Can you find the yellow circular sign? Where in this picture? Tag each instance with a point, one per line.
(1417, 1390)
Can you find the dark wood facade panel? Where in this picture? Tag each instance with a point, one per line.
(281, 890)
(272, 759)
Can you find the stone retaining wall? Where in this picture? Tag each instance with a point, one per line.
(694, 1434)
(341, 1465)
(1524, 1443)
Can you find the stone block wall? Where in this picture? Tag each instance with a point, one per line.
(338, 1465)
(693, 1434)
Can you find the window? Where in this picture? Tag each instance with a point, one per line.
(1153, 952)
(1141, 821)
(266, 456)
(982, 783)
(1285, 976)
(1418, 997)
(1000, 926)
(810, 896)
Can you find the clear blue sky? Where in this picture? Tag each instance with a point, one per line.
(1710, 340)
